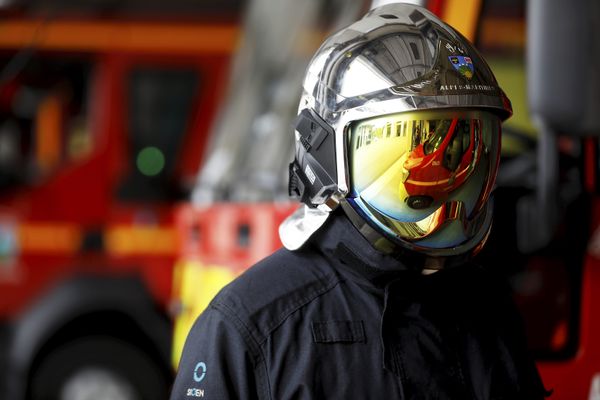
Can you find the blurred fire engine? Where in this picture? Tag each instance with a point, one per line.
(545, 238)
(102, 129)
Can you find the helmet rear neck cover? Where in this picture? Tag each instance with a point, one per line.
(399, 122)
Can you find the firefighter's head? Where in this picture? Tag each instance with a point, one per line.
(399, 124)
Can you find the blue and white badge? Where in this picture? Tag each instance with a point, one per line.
(463, 64)
(199, 371)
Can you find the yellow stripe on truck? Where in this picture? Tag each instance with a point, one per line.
(198, 285)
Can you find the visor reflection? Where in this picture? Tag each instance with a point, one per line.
(450, 211)
(407, 166)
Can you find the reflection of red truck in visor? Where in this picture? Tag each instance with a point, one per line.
(442, 162)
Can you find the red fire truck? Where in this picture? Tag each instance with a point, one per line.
(546, 236)
(449, 152)
(102, 129)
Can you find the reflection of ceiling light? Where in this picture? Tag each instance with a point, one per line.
(362, 77)
(317, 64)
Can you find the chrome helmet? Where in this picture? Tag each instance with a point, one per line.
(399, 123)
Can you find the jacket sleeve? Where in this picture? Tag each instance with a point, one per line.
(216, 361)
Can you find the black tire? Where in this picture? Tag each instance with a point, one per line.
(135, 374)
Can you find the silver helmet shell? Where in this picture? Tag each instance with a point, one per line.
(393, 60)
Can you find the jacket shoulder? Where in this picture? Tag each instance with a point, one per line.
(268, 292)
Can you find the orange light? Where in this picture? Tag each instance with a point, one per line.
(463, 15)
(48, 132)
(119, 36)
(52, 238)
(125, 240)
(560, 336)
(503, 33)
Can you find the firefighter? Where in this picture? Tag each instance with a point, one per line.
(375, 295)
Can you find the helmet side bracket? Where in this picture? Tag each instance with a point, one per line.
(313, 174)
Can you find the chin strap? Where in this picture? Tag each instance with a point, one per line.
(380, 242)
(433, 265)
(377, 240)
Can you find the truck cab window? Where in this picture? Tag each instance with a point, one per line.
(159, 102)
(43, 118)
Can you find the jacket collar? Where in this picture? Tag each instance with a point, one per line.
(347, 249)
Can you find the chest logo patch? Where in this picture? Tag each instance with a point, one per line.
(199, 371)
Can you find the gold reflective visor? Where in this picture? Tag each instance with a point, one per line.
(414, 171)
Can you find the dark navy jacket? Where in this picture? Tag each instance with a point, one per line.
(339, 320)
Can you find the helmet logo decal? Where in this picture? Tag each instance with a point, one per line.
(463, 64)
